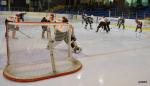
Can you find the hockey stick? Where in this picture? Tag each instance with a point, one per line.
(24, 34)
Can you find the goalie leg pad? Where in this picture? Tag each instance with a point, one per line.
(75, 47)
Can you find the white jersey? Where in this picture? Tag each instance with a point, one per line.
(102, 19)
(106, 19)
(12, 18)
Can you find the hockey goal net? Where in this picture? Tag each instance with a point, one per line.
(31, 57)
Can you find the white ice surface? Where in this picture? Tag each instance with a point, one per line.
(120, 58)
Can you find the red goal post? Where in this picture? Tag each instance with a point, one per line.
(29, 59)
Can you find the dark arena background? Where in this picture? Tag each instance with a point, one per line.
(125, 8)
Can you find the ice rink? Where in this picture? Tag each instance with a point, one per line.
(119, 58)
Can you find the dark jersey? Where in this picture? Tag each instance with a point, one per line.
(44, 20)
(21, 16)
(121, 21)
(88, 20)
(139, 24)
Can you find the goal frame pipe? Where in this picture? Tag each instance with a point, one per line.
(51, 48)
(7, 44)
(69, 42)
(38, 23)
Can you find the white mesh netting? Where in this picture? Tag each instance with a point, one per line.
(30, 58)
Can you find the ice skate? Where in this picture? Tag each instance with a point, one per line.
(75, 48)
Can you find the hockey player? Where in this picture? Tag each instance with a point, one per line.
(102, 24)
(21, 15)
(83, 17)
(121, 21)
(12, 28)
(88, 20)
(74, 45)
(139, 25)
(61, 34)
(44, 28)
(107, 22)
